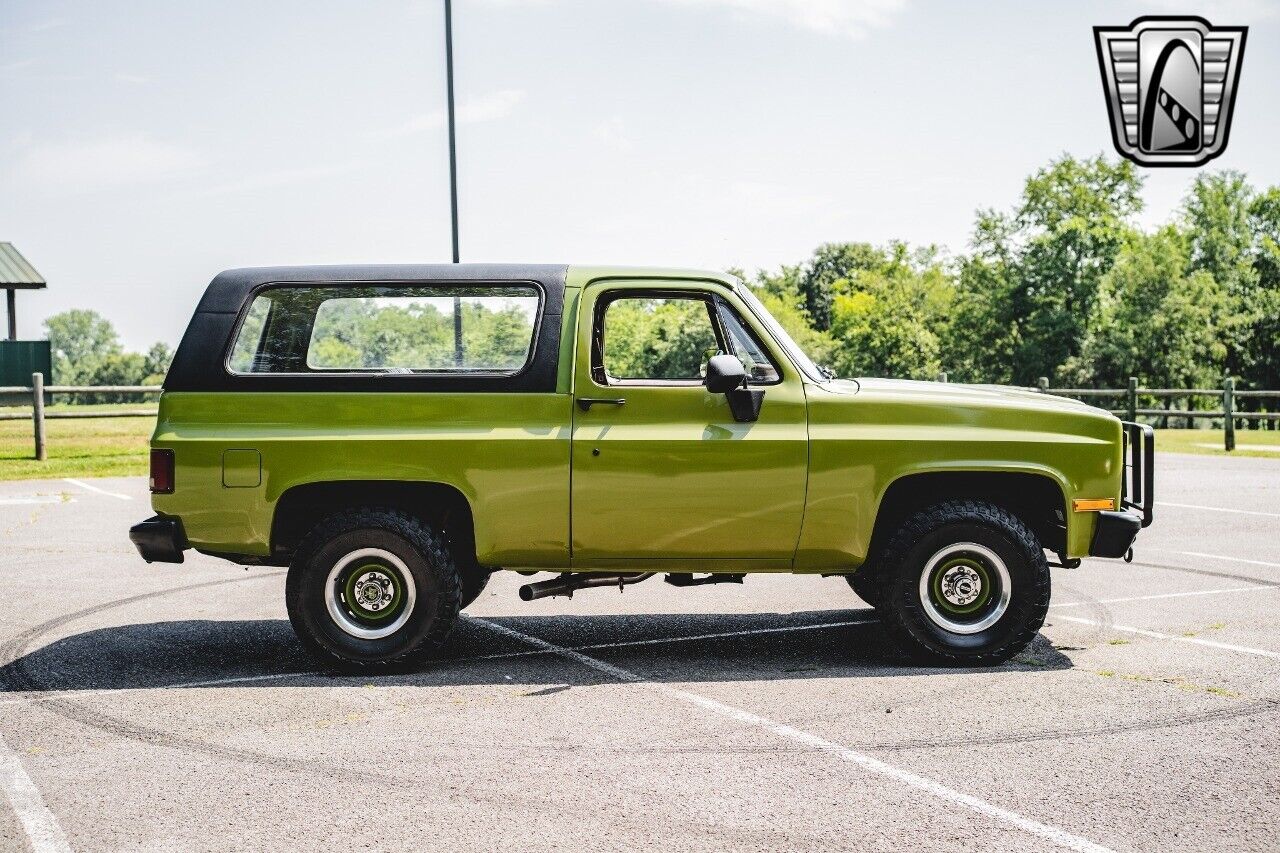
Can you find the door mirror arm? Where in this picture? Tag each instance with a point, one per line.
(745, 404)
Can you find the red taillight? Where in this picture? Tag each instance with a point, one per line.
(161, 472)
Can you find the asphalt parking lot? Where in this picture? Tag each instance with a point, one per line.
(170, 707)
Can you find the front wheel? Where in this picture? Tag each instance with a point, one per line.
(966, 582)
(372, 589)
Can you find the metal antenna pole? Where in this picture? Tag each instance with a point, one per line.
(453, 175)
(453, 153)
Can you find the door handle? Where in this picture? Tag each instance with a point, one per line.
(585, 403)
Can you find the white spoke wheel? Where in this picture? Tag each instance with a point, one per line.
(370, 593)
(965, 588)
(964, 582)
(372, 589)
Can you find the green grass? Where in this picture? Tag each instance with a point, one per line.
(1248, 442)
(117, 447)
(87, 447)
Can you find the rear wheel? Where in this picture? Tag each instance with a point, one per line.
(372, 589)
(965, 582)
(866, 583)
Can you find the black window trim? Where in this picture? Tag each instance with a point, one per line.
(713, 301)
(722, 304)
(381, 375)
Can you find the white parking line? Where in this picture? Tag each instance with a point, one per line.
(100, 491)
(1229, 559)
(1219, 509)
(1166, 595)
(1129, 629)
(1050, 833)
(42, 828)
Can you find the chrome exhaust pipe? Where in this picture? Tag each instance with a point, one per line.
(568, 582)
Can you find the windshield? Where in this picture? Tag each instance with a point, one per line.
(784, 340)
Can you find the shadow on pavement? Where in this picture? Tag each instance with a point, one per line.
(189, 652)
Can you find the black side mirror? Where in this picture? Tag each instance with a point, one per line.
(724, 373)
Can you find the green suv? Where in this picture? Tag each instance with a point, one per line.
(395, 434)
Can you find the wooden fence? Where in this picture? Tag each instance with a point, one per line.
(37, 389)
(1131, 399)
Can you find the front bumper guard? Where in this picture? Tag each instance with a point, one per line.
(1114, 532)
(159, 539)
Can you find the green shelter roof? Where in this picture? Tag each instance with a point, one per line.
(16, 272)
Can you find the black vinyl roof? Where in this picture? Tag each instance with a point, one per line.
(227, 292)
(199, 363)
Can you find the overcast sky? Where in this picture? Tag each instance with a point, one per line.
(144, 146)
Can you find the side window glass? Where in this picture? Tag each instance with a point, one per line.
(249, 341)
(384, 329)
(659, 338)
(760, 368)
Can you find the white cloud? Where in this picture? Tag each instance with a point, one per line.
(490, 107)
(136, 79)
(106, 162)
(847, 18)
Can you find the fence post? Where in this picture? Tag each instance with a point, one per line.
(37, 414)
(1133, 398)
(1043, 384)
(942, 377)
(1228, 403)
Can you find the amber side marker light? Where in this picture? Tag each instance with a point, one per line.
(1092, 504)
(162, 472)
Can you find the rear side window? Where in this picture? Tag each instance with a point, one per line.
(381, 329)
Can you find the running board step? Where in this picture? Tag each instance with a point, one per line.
(688, 579)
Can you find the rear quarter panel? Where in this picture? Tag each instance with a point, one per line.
(507, 453)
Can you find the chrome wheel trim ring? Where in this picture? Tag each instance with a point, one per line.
(337, 609)
(997, 567)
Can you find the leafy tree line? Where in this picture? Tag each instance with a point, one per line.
(1064, 285)
(87, 351)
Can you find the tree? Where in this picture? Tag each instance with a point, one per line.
(820, 279)
(1263, 348)
(981, 333)
(819, 346)
(880, 334)
(1156, 320)
(1033, 278)
(862, 309)
(1216, 213)
(155, 363)
(80, 340)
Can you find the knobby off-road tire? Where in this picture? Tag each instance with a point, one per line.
(474, 580)
(372, 590)
(965, 583)
(866, 583)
